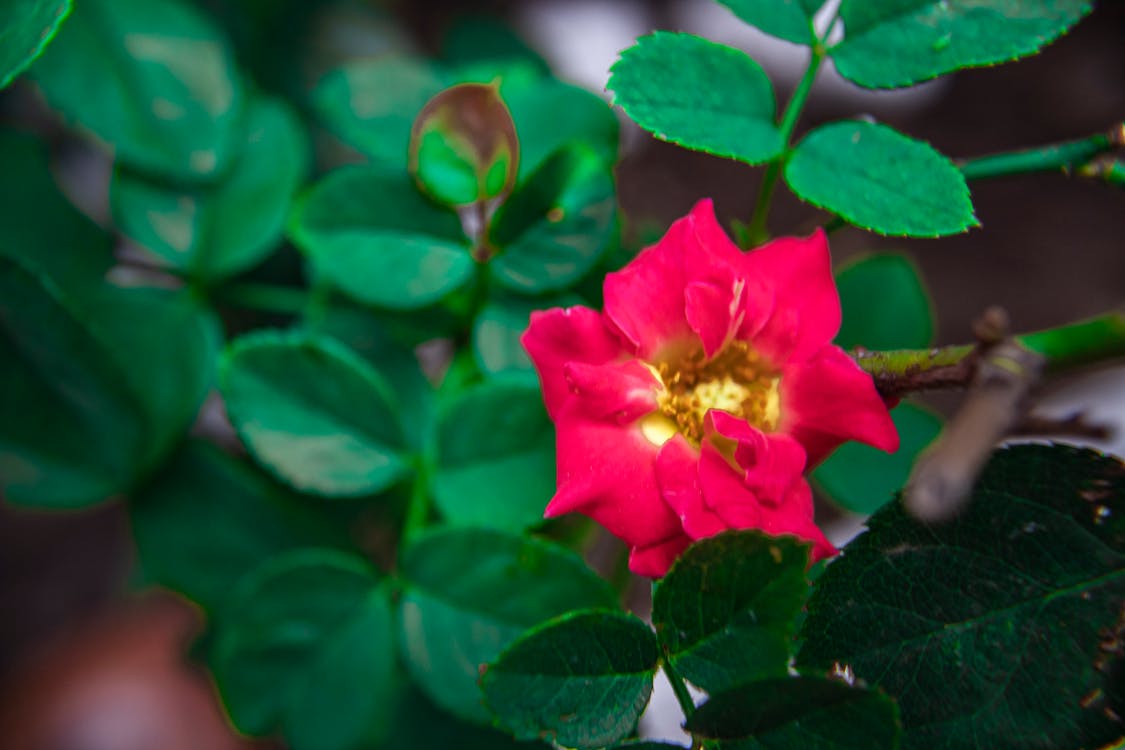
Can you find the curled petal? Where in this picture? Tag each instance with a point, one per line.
(677, 473)
(621, 391)
(724, 492)
(795, 516)
(807, 307)
(558, 336)
(772, 462)
(828, 400)
(654, 560)
(608, 472)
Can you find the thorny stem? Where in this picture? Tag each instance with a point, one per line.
(899, 372)
(756, 232)
(1067, 157)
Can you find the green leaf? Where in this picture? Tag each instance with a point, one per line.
(885, 304)
(989, 630)
(495, 457)
(470, 593)
(556, 226)
(550, 115)
(798, 713)
(420, 724)
(372, 104)
(155, 79)
(498, 327)
(314, 414)
(463, 147)
(475, 39)
(864, 479)
(791, 20)
(679, 88)
(209, 232)
(581, 680)
(306, 646)
(881, 180)
(39, 227)
(73, 431)
(27, 27)
(894, 43)
(249, 519)
(726, 612)
(373, 235)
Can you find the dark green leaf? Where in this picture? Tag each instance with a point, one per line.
(422, 725)
(495, 457)
(213, 231)
(463, 147)
(153, 78)
(554, 227)
(498, 327)
(39, 227)
(73, 431)
(470, 593)
(879, 179)
(372, 104)
(550, 114)
(864, 479)
(892, 43)
(726, 612)
(679, 88)
(314, 414)
(478, 38)
(791, 20)
(248, 519)
(798, 713)
(306, 646)
(375, 237)
(581, 680)
(885, 304)
(27, 27)
(990, 630)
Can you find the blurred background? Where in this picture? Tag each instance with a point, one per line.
(87, 663)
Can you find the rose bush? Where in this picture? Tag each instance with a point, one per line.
(702, 394)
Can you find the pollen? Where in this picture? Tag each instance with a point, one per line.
(738, 381)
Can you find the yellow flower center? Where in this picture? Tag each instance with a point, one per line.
(737, 381)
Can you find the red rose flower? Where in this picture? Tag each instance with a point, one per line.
(696, 401)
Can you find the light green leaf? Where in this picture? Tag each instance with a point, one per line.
(698, 94)
(373, 235)
(556, 226)
(892, 43)
(372, 104)
(881, 180)
(581, 680)
(470, 593)
(213, 231)
(726, 612)
(306, 646)
(498, 327)
(864, 479)
(791, 20)
(26, 27)
(249, 520)
(989, 630)
(885, 304)
(495, 457)
(314, 414)
(155, 79)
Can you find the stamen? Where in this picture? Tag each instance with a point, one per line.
(738, 381)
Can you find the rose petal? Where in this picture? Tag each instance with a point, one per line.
(772, 461)
(829, 399)
(654, 560)
(558, 336)
(724, 492)
(677, 474)
(608, 472)
(621, 391)
(795, 516)
(805, 302)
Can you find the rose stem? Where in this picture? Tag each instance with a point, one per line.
(756, 232)
(905, 370)
(679, 687)
(1067, 156)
